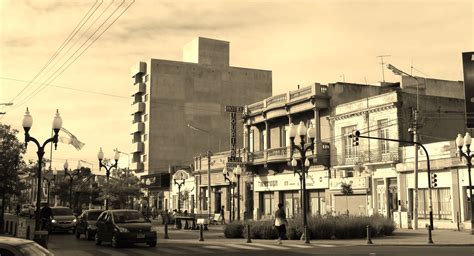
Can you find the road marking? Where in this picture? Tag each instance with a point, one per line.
(214, 247)
(372, 254)
(275, 247)
(326, 245)
(298, 245)
(239, 246)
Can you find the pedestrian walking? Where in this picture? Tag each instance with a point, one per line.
(222, 215)
(280, 223)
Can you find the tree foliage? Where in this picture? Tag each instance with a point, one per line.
(123, 185)
(11, 161)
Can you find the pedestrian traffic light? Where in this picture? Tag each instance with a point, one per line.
(355, 137)
(434, 180)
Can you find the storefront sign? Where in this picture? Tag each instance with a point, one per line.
(233, 133)
(315, 180)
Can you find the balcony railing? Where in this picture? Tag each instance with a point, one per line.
(352, 159)
(301, 92)
(138, 88)
(138, 107)
(276, 99)
(375, 156)
(355, 182)
(389, 156)
(277, 153)
(137, 127)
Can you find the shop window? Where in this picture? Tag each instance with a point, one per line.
(268, 200)
(317, 203)
(442, 201)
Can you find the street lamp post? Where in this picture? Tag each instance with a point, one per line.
(460, 141)
(179, 184)
(100, 156)
(27, 123)
(71, 178)
(306, 135)
(238, 172)
(226, 175)
(48, 182)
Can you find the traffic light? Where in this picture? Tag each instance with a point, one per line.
(355, 137)
(434, 181)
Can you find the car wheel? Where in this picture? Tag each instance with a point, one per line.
(88, 235)
(97, 240)
(78, 234)
(152, 244)
(114, 241)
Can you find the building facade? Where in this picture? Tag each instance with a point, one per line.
(171, 97)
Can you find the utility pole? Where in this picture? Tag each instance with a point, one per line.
(415, 139)
(381, 62)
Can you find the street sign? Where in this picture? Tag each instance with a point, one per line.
(468, 65)
(239, 109)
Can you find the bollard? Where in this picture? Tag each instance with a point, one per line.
(430, 239)
(28, 232)
(369, 241)
(248, 234)
(166, 231)
(15, 229)
(201, 233)
(205, 227)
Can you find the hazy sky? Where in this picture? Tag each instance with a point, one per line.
(302, 42)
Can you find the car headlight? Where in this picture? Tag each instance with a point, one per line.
(53, 221)
(154, 228)
(122, 230)
(74, 220)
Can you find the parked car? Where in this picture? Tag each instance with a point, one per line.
(86, 223)
(11, 246)
(124, 227)
(63, 219)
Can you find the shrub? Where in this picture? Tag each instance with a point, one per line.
(319, 227)
(234, 230)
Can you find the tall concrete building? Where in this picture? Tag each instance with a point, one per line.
(170, 96)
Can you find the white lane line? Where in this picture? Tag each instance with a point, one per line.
(298, 245)
(275, 247)
(325, 245)
(239, 246)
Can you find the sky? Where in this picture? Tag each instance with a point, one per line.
(301, 42)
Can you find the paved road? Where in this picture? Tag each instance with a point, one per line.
(67, 244)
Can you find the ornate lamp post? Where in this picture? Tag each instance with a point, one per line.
(227, 174)
(294, 164)
(100, 156)
(306, 135)
(48, 182)
(237, 173)
(179, 183)
(460, 141)
(27, 123)
(71, 176)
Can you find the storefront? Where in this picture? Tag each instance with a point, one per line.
(285, 187)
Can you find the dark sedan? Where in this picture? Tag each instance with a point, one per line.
(121, 227)
(87, 223)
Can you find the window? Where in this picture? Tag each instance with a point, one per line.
(145, 158)
(349, 149)
(291, 203)
(251, 146)
(145, 137)
(383, 133)
(145, 117)
(282, 136)
(441, 203)
(317, 202)
(146, 97)
(268, 201)
(261, 140)
(204, 199)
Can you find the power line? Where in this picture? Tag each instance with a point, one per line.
(67, 40)
(51, 78)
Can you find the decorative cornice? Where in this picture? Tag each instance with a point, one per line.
(364, 111)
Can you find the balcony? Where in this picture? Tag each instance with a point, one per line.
(138, 107)
(137, 127)
(138, 166)
(278, 154)
(352, 159)
(138, 88)
(389, 156)
(138, 147)
(279, 100)
(357, 183)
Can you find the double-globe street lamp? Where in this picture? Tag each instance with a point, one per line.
(71, 176)
(100, 156)
(460, 141)
(236, 175)
(306, 135)
(27, 124)
(179, 182)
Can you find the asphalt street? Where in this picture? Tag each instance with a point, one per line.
(67, 244)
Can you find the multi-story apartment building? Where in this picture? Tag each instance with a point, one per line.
(169, 95)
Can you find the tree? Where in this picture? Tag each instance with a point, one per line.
(11, 163)
(123, 185)
(346, 189)
(83, 188)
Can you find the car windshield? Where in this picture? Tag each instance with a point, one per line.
(93, 215)
(128, 217)
(33, 249)
(61, 211)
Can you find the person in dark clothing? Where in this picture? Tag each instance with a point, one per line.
(222, 215)
(46, 215)
(280, 222)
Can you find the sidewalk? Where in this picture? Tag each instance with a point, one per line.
(441, 237)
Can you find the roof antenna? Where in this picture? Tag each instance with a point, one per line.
(382, 63)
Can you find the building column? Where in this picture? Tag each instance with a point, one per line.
(317, 125)
(267, 131)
